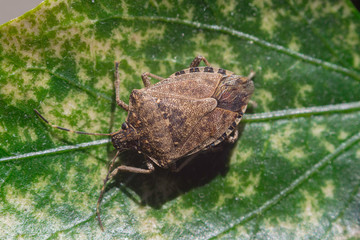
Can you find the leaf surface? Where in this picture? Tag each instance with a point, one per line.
(293, 173)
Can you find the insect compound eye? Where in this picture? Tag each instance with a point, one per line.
(124, 126)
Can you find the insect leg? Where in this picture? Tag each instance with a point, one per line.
(146, 80)
(253, 104)
(197, 60)
(111, 173)
(183, 164)
(234, 137)
(107, 178)
(251, 75)
(132, 169)
(122, 104)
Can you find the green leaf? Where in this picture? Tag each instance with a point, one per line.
(293, 173)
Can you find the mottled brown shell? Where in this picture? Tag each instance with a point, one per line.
(188, 112)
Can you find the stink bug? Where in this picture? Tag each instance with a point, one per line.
(190, 111)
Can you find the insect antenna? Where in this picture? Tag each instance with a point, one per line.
(108, 177)
(69, 130)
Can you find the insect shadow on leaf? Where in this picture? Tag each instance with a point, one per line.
(162, 185)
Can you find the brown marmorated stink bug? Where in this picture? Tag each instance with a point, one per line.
(191, 111)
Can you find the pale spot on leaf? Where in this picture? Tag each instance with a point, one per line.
(83, 76)
(199, 40)
(124, 7)
(55, 168)
(73, 101)
(264, 98)
(114, 215)
(295, 154)
(233, 179)
(8, 225)
(294, 44)
(352, 38)
(16, 94)
(70, 179)
(286, 223)
(68, 106)
(310, 207)
(261, 4)
(187, 213)
(47, 108)
(318, 129)
(242, 156)
(281, 140)
(302, 93)
(248, 187)
(146, 224)
(358, 154)
(42, 80)
(26, 134)
(41, 183)
(189, 13)
(343, 135)
(222, 199)
(226, 7)
(43, 214)
(328, 189)
(270, 75)
(335, 8)
(279, 227)
(173, 218)
(105, 83)
(356, 59)
(243, 233)
(266, 127)
(314, 7)
(117, 35)
(32, 56)
(7, 65)
(269, 22)
(140, 37)
(223, 40)
(19, 200)
(161, 3)
(60, 16)
(329, 146)
(27, 77)
(268, 16)
(93, 115)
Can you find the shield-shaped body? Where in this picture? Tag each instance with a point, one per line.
(190, 111)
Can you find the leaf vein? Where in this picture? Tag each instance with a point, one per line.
(85, 220)
(239, 34)
(296, 183)
(92, 92)
(303, 112)
(341, 213)
(314, 30)
(57, 150)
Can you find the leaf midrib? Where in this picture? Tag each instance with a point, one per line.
(274, 115)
